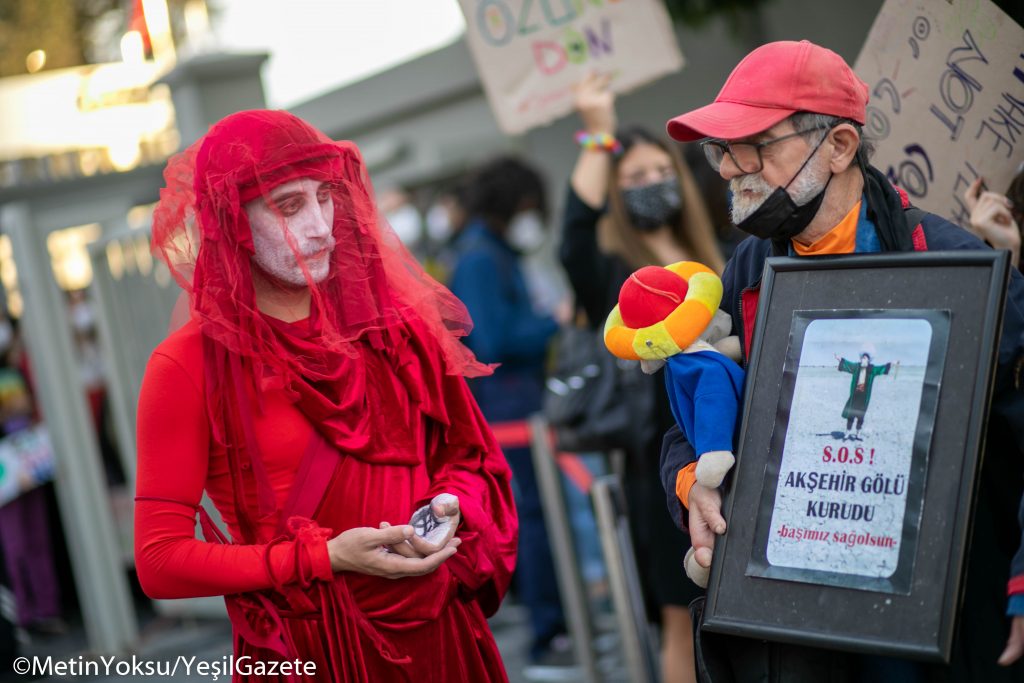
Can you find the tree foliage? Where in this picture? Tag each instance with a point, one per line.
(695, 13)
(72, 32)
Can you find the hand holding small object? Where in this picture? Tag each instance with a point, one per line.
(434, 526)
(365, 550)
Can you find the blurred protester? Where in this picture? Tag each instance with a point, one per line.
(998, 219)
(90, 361)
(25, 520)
(317, 393)
(655, 216)
(444, 220)
(92, 373)
(801, 185)
(499, 196)
(397, 208)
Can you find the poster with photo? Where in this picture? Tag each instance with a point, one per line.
(843, 490)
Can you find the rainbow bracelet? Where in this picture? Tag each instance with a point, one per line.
(602, 141)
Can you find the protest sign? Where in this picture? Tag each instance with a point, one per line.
(529, 53)
(947, 99)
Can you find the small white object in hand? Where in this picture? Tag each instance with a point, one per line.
(431, 528)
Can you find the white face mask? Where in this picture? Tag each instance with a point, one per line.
(81, 317)
(305, 208)
(439, 223)
(526, 232)
(407, 224)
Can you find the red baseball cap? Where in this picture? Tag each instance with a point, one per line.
(771, 83)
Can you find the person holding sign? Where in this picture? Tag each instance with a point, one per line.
(786, 132)
(318, 395)
(637, 189)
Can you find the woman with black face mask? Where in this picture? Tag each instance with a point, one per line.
(639, 195)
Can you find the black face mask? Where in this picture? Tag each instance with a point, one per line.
(778, 217)
(649, 207)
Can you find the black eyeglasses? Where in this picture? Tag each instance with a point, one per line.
(745, 155)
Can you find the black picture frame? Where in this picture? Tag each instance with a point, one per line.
(912, 612)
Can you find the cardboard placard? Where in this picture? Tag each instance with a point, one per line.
(947, 98)
(529, 53)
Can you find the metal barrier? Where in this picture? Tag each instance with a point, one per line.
(617, 544)
(570, 581)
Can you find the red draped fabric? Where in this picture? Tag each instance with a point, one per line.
(299, 431)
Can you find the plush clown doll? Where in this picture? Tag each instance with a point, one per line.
(669, 317)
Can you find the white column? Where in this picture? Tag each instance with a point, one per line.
(103, 590)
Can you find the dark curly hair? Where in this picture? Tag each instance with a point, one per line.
(501, 188)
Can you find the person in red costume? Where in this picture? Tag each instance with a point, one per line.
(318, 394)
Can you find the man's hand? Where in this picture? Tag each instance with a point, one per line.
(706, 522)
(1014, 644)
(364, 550)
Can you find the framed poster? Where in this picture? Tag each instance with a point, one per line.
(867, 389)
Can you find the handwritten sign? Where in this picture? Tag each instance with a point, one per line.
(844, 500)
(947, 98)
(530, 52)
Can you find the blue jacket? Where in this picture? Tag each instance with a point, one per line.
(741, 288)
(506, 330)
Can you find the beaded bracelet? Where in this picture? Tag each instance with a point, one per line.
(602, 141)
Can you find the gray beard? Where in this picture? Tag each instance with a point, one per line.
(802, 189)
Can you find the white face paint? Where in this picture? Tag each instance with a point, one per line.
(306, 209)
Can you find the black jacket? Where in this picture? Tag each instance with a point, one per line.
(741, 286)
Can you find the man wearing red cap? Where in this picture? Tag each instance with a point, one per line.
(785, 131)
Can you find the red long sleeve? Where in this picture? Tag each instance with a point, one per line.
(173, 467)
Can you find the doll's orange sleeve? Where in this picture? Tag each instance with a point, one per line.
(685, 480)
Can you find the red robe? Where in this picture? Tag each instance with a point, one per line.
(283, 598)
